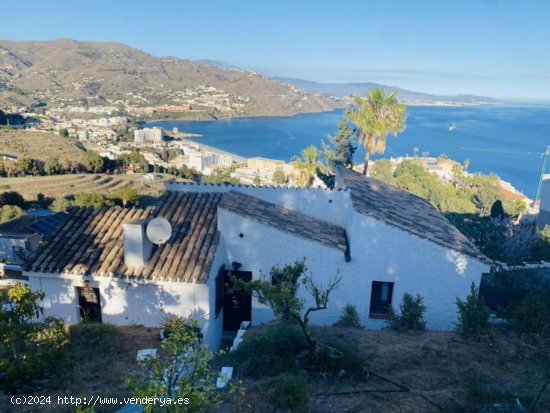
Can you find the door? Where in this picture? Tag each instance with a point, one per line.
(89, 304)
(237, 307)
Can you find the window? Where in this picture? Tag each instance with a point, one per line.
(380, 299)
(219, 291)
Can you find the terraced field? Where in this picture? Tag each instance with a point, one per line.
(62, 185)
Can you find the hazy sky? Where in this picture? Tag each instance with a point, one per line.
(487, 47)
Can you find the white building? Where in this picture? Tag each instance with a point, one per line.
(149, 135)
(383, 242)
(202, 160)
(225, 159)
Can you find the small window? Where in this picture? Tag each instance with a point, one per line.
(219, 291)
(380, 299)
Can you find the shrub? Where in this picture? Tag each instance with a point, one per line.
(531, 315)
(349, 317)
(33, 345)
(270, 351)
(174, 324)
(412, 314)
(473, 314)
(184, 371)
(289, 391)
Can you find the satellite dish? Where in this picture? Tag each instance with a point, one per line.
(158, 231)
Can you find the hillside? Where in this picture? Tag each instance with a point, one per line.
(38, 145)
(68, 72)
(62, 185)
(406, 96)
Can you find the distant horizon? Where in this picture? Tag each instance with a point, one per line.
(220, 63)
(489, 48)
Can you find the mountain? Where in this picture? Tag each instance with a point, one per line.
(406, 96)
(67, 72)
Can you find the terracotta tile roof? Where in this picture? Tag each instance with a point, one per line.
(405, 211)
(285, 219)
(90, 241)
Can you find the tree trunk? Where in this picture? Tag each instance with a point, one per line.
(366, 162)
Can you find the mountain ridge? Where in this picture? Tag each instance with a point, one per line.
(404, 95)
(70, 72)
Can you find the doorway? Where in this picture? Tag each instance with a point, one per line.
(89, 304)
(237, 307)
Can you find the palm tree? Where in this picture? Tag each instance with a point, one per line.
(307, 165)
(375, 118)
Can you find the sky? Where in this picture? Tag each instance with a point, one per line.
(497, 48)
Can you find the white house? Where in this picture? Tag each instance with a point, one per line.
(383, 242)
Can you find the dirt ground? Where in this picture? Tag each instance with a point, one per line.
(417, 372)
(404, 372)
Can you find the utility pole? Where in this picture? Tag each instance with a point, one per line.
(542, 170)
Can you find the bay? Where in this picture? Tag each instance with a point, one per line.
(506, 140)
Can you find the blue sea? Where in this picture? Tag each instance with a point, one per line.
(506, 140)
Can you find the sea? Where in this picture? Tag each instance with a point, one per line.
(507, 140)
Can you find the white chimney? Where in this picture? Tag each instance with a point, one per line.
(137, 247)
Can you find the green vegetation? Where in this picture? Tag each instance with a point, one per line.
(257, 180)
(221, 176)
(12, 198)
(126, 195)
(531, 315)
(289, 390)
(8, 212)
(473, 315)
(91, 199)
(30, 345)
(307, 165)
(411, 316)
(279, 294)
(341, 147)
(63, 132)
(279, 177)
(183, 372)
(375, 118)
(60, 204)
(270, 351)
(349, 318)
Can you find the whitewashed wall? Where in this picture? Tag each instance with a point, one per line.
(126, 304)
(379, 252)
(334, 206)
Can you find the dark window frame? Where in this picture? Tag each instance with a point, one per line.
(379, 308)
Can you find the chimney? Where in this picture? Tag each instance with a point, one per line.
(137, 247)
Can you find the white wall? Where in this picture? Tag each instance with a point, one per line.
(379, 253)
(126, 304)
(333, 206)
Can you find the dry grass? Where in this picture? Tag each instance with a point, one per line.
(439, 372)
(63, 185)
(38, 145)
